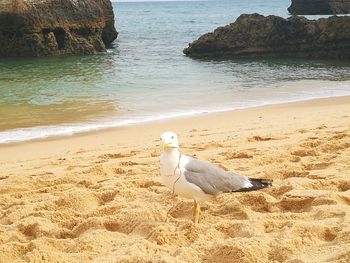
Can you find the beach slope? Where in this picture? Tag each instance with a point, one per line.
(98, 197)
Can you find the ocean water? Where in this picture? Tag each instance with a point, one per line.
(146, 77)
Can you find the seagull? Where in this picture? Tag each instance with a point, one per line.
(199, 180)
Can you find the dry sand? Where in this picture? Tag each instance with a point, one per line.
(98, 197)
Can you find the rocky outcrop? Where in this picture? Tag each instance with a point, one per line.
(319, 7)
(55, 27)
(256, 35)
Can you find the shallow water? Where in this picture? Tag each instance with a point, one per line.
(146, 76)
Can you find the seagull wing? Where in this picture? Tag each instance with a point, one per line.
(214, 180)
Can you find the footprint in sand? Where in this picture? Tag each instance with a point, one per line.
(34, 227)
(112, 226)
(129, 163)
(295, 159)
(259, 139)
(293, 172)
(236, 155)
(148, 184)
(340, 135)
(234, 230)
(317, 166)
(238, 251)
(107, 196)
(182, 209)
(295, 204)
(303, 152)
(258, 202)
(312, 143)
(231, 210)
(116, 155)
(119, 171)
(213, 145)
(335, 146)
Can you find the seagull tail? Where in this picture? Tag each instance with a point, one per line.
(256, 184)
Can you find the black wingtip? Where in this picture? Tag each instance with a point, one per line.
(257, 184)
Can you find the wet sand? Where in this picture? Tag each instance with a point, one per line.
(27, 116)
(98, 197)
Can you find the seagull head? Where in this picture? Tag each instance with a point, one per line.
(169, 140)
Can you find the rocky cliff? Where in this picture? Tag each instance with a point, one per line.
(319, 7)
(257, 35)
(54, 27)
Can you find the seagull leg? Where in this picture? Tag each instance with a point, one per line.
(194, 208)
(196, 212)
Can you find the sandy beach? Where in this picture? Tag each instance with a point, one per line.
(98, 197)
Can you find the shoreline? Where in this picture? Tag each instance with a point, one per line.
(73, 129)
(100, 134)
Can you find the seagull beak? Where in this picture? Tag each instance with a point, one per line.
(165, 145)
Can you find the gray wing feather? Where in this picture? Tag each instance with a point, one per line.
(212, 179)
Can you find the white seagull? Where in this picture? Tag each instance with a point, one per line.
(199, 180)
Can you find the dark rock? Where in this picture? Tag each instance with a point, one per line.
(256, 35)
(319, 7)
(55, 27)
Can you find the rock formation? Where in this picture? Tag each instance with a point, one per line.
(256, 35)
(319, 7)
(55, 27)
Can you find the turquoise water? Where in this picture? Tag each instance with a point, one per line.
(146, 77)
